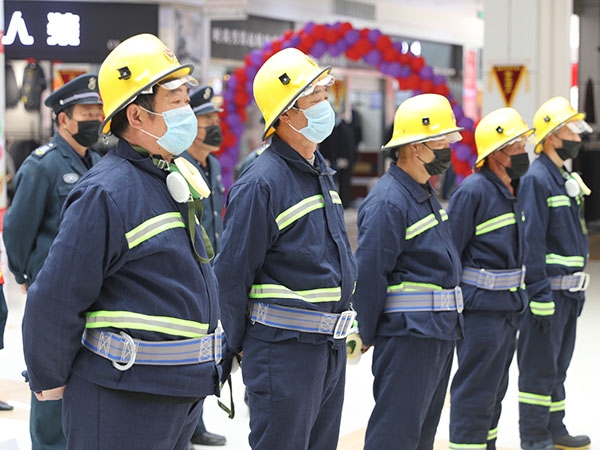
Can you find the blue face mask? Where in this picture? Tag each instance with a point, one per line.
(321, 120)
(182, 128)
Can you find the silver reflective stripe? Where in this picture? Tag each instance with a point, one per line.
(494, 280)
(154, 226)
(311, 295)
(421, 226)
(189, 351)
(569, 261)
(137, 321)
(418, 301)
(335, 198)
(304, 320)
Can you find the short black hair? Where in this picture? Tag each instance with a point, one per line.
(119, 123)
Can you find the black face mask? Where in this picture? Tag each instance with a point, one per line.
(519, 165)
(87, 132)
(443, 158)
(569, 149)
(213, 136)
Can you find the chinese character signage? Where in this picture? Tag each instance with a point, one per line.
(72, 31)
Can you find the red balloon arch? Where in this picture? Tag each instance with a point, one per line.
(370, 45)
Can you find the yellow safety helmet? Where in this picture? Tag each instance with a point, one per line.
(424, 117)
(282, 79)
(497, 130)
(553, 114)
(133, 68)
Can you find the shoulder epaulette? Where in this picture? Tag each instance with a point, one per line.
(44, 149)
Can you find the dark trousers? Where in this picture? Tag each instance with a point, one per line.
(45, 425)
(479, 385)
(544, 358)
(411, 378)
(295, 393)
(96, 418)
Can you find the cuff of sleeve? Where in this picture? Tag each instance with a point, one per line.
(542, 308)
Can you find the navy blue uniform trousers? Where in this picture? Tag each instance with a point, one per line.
(118, 417)
(544, 358)
(408, 399)
(479, 385)
(295, 393)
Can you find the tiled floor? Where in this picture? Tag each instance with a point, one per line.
(583, 388)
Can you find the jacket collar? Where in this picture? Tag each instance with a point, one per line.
(552, 169)
(420, 193)
(126, 151)
(490, 175)
(293, 158)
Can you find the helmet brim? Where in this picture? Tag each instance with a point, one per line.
(574, 118)
(269, 130)
(105, 128)
(481, 158)
(418, 139)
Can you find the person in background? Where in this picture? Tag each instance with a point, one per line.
(285, 269)
(488, 226)
(3, 317)
(408, 297)
(123, 319)
(42, 184)
(208, 141)
(555, 230)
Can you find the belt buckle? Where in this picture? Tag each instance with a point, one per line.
(218, 343)
(584, 281)
(129, 350)
(486, 279)
(458, 299)
(344, 324)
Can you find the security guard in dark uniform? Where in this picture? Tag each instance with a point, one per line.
(407, 297)
(488, 226)
(207, 141)
(123, 319)
(31, 222)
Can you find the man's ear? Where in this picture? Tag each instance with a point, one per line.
(133, 112)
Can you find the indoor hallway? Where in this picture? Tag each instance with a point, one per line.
(583, 390)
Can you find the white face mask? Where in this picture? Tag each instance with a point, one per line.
(182, 128)
(321, 120)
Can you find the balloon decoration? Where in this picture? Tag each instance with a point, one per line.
(376, 49)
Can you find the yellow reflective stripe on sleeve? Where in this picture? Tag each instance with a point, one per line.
(137, 321)
(335, 198)
(558, 201)
(454, 446)
(535, 399)
(421, 226)
(568, 261)
(492, 434)
(259, 291)
(542, 308)
(443, 215)
(495, 223)
(154, 226)
(557, 406)
(408, 286)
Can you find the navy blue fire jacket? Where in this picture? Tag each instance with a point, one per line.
(123, 246)
(284, 226)
(488, 225)
(394, 247)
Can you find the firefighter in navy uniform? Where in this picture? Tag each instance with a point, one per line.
(552, 199)
(207, 141)
(407, 297)
(286, 272)
(488, 226)
(123, 318)
(31, 223)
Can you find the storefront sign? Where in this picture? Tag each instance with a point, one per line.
(234, 39)
(72, 31)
